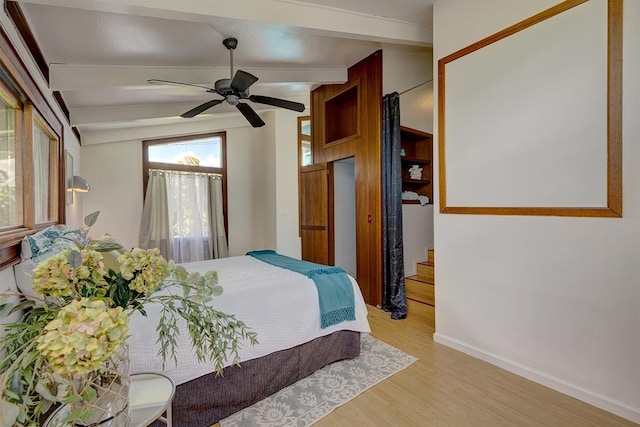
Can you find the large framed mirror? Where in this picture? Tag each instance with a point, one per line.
(530, 118)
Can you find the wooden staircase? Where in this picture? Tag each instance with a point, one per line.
(421, 287)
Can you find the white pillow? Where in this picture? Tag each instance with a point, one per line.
(50, 241)
(22, 272)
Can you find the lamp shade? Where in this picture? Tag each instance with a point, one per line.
(79, 184)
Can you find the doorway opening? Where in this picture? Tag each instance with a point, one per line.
(344, 199)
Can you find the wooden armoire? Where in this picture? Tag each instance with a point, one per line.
(346, 121)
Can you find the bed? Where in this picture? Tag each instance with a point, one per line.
(282, 307)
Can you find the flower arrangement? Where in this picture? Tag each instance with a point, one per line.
(59, 349)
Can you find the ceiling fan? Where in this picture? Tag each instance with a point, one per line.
(234, 90)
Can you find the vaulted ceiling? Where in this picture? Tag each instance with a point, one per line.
(100, 54)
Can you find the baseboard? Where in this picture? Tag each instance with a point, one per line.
(595, 399)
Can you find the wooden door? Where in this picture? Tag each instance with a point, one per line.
(316, 213)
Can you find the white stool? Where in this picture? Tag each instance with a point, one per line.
(150, 396)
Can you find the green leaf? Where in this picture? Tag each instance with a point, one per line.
(193, 277)
(107, 246)
(43, 391)
(217, 291)
(5, 309)
(9, 413)
(28, 359)
(91, 219)
(81, 413)
(71, 399)
(89, 394)
(22, 306)
(75, 259)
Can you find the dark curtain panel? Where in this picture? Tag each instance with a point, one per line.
(394, 298)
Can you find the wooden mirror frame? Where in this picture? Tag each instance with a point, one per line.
(614, 119)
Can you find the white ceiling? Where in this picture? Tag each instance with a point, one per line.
(101, 53)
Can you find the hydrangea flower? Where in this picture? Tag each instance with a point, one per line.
(56, 276)
(84, 334)
(146, 269)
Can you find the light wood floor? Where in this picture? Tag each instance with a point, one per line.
(448, 388)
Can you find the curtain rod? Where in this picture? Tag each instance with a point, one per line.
(416, 86)
(172, 171)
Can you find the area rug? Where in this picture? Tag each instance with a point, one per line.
(305, 402)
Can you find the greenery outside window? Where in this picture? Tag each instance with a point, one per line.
(200, 153)
(10, 163)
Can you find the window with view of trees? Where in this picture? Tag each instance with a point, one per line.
(10, 194)
(29, 170)
(184, 210)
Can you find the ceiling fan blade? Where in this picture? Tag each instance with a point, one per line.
(250, 114)
(277, 102)
(169, 82)
(200, 108)
(242, 80)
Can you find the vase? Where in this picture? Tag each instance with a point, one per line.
(111, 405)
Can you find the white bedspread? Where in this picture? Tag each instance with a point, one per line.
(278, 304)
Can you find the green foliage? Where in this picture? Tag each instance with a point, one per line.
(91, 219)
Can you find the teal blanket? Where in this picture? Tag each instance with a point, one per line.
(335, 291)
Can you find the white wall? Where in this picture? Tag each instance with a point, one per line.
(114, 171)
(286, 183)
(344, 214)
(553, 299)
(403, 69)
(259, 183)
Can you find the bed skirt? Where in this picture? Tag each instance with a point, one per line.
(208, 399)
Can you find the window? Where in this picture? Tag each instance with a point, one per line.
(205, 153)
(185, 182)
(304, 141)
(30, 171)
(45, 172)
(10, 174)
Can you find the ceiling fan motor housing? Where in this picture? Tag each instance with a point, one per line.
(230, 43)
(223, 87)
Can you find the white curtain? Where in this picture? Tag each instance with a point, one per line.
(218, 243)
(154, 228)
(183, 215)
(41, 176)
(187, 200)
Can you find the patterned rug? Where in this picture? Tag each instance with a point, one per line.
(305, 402)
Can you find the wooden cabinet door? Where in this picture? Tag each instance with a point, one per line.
(316, 213)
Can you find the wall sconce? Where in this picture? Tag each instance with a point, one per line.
(78, 184)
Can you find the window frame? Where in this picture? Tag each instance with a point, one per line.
(33, 120)
(146, 164)
(12, 100)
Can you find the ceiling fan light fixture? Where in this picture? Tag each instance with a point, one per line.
(232, 99)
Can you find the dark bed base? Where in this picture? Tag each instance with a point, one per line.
(208, 399)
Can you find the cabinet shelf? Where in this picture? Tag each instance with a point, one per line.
(413, 202)
(416, 160)
(418, 150)
(416, 181)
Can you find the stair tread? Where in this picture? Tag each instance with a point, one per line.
(418, 278)
(427, 263)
